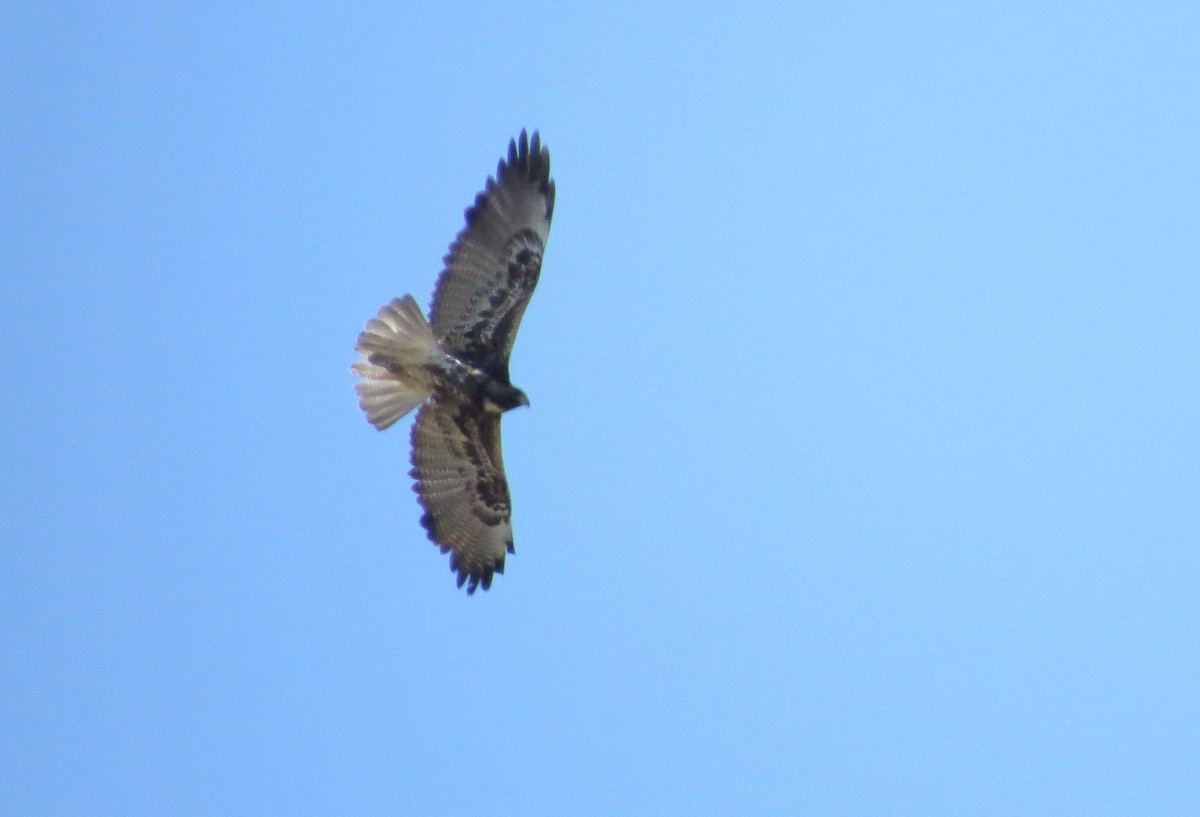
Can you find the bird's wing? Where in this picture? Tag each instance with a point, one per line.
(494, 263)
(460, 483)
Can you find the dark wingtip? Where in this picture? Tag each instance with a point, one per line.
(528, 157)
(474, 581)
(473, 577)
(518, 149)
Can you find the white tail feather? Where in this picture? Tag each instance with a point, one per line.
(383, 395)
(399, 334)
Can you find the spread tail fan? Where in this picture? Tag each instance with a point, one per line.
(396, 343)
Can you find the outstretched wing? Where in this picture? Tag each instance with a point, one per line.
(460, 483)
(494, 263)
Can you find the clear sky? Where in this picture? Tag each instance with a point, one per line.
(862, 471)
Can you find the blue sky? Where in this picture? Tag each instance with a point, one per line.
(862, 470)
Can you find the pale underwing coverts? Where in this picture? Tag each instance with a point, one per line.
(454, 365)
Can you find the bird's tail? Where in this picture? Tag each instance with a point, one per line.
(399, 334)
(395, 344)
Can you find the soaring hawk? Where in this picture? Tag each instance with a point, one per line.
(455, 365)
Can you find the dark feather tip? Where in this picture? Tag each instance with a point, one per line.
(472, 212)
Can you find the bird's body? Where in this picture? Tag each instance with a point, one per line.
(455, 365)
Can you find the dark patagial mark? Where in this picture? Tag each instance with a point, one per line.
(492, 491)
(524, 251)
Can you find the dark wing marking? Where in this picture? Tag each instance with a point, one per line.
(460, 483)
(494, 263)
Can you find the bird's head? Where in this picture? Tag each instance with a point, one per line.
(499, 397)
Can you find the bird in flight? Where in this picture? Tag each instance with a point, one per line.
(454, 365)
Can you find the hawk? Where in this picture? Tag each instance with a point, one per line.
(454, 365)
